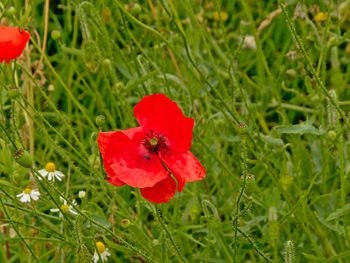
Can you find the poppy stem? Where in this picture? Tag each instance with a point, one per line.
(158, 215)
(244, 172)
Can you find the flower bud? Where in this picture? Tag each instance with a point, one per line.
(82, 194)
(250, 184)
(10, 11)
(155, 242)
(135, 9)
(125, 223)
(242, 130)
(245, 27)
(286, 181)
(55, 34)
(94, 161)
(23, 158)
(13, 92)
(249, 42)
(195, 212)
(107, 63)
(100, 120)
(291, 73)
(332, 134)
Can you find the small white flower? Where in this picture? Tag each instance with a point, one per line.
(249, 42)
(28, 194)
(103, 252)
(65, 208)
(82, 194)
(51, 173)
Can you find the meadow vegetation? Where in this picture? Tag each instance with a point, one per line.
(268, 84)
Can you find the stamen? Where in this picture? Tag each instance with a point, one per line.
(154, 142)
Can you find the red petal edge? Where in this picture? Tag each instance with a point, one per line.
(184, 166)
(161, 115)
(162, 192)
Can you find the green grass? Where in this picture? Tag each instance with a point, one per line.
(109, 56)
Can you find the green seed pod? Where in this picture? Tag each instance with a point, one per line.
(23, 158)
(289, 256)
(125, 223)
(107, 63)
(250, 184)
(13, 92)
(100, 120)
(55, 34)
(135, 9)
(82, 254)
(332, 134)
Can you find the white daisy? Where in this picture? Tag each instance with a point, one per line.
(51, 173)
(103, 252)
(66, 208)
(28, 194)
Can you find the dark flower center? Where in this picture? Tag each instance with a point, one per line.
(154, 142)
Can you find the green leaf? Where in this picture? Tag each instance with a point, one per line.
(339, 213)
(271, 141)
(298, 129)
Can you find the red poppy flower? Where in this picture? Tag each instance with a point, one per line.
(12, 42)
(148, 156)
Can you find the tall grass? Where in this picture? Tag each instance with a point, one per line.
(276, 192)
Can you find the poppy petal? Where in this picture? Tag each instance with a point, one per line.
(129, 161)
(12, 42)
(161, 115)
(162, 192)
(107, 146)
(184, 166)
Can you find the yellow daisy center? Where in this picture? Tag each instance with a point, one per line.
(321, 16)
(223, 15)
(100, 247)
(50, 167)
(64, 208)
(27, 191)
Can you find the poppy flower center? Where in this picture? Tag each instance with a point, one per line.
(154, 142)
